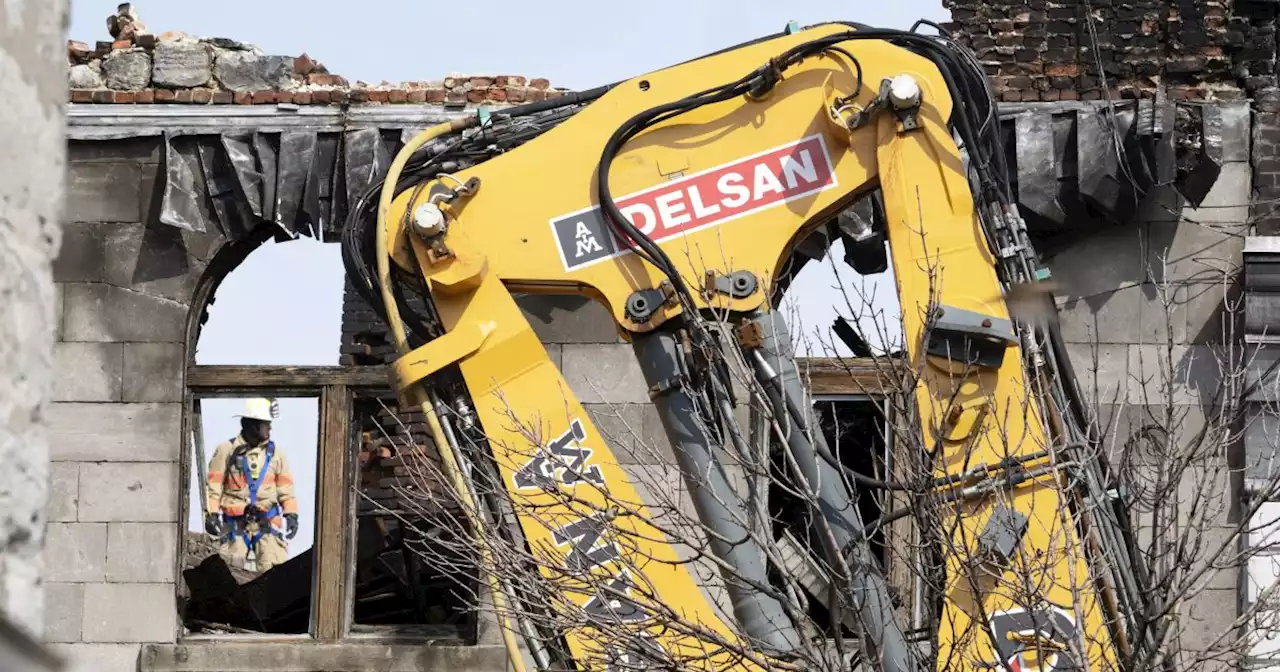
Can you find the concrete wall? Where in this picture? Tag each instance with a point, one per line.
(124, 286)
(32, 84)
(1142, 309)
(124, 282)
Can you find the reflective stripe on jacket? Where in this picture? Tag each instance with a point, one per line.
(228, 486)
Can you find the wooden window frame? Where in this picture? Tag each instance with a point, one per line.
(336, 387)
(876, 381)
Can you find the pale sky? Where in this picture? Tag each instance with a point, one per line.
(292, 293)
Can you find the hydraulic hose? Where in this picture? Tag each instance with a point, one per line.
(396, 324)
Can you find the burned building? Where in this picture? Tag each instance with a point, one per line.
(187, 154)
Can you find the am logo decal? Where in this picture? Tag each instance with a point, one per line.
(698, 201)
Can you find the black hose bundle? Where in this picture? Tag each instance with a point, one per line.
(508, 129)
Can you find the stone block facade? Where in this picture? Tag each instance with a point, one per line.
(116, 421)
(126, 281)
(1144, 306)
(124, 292)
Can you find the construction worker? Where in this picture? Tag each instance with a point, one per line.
(252, 508)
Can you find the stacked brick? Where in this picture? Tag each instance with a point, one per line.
(398, 463)
(1038, 50)
(1225, 50)
(365, 339)
(1265, 208)
(176, 68)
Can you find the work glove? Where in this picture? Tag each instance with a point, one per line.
(214, 526)
(290, 525)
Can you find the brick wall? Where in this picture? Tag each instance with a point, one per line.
(180, 69)
(1198, 49)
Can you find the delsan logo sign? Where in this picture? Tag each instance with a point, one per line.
(698, 201)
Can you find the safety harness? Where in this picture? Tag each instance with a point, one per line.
(264, 518)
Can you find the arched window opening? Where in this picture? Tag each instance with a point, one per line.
(281, 306)
(252, 499)
(275, 323)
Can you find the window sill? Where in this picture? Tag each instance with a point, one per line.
(224, 655)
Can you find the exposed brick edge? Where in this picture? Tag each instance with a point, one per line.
(1036, 50)
(311, 84)
(336, 96)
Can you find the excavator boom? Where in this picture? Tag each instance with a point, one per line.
(683, 194)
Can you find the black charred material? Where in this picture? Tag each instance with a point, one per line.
(297, 151)
(239, 150)
(185, 202)
(265, 148)
(1081, 166)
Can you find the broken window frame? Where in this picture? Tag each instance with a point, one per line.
(335, 387)
(472, 633)
(897, 571)
(875, 380)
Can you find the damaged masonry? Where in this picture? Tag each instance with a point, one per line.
(186, 154)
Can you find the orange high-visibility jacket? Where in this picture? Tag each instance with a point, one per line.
(228, 486)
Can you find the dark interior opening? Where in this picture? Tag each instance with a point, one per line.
(412, 574)
(854, 427)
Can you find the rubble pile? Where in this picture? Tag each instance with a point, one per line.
(137, 66)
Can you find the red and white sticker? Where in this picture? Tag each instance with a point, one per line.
(694, 202)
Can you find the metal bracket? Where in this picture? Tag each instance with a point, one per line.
(739, 284)
(642, 304)
(970, 338)
(964, 419)
(864, 116)
(1002, 534)
(666, 385)
(909, 118)
(452, 347)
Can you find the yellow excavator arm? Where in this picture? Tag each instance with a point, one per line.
(683, 193)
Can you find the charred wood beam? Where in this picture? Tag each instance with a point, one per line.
(218, 378)
(108, 122)
(873, 376)
(854, 375)
(1075, 166)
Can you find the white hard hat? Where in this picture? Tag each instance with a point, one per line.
(261, 409)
